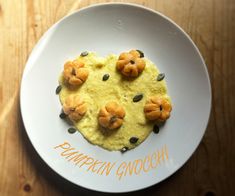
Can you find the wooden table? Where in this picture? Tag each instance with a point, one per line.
(211, 169)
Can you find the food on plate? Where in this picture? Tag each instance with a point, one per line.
(111, 116)
(74, 107)
(74, 72)
(131, 64)
(119, 104)
(157, 108)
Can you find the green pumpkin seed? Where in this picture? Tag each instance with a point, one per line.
(141, 53)
(105, 77)
(156, 129)
(63, 115)
(72, 109)
(72, 130)
(133, 140)
(85, 53)
(160, 76)
(58, 89)
(113, 119)
(73, 72)
(138, 97)
(124, 149)
(132, 62)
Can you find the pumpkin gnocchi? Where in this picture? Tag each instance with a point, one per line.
(111, 116)
(130, 64)
(74, 73)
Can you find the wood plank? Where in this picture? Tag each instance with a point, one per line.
(210, 23)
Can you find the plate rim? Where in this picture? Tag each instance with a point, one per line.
(52, 27)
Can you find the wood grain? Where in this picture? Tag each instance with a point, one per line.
(211, 169)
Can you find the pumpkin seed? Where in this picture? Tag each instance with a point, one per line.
(132, 62)
(72, 109)
(113, 119)
(105, 77)
(58, 89)
(160, 76)
(63, 115)
(85, 53)
(124, 149)
(141, 53)
(72, 130)
(156, 129)
(133, 140)
(138, 97)
(73, 72)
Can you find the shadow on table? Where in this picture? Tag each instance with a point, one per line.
(57, 182)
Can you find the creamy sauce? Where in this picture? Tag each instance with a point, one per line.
(96, 93)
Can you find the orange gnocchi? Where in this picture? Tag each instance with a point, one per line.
(74, 107)
(74, 73)
(111, 116)
(157, 108)
(131, 64)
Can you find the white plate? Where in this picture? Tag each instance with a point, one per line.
(112, 28)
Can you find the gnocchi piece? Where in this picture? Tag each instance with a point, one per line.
(157, 108)
(111, 116)
(75, 73)
(131, 64)
(74, 107)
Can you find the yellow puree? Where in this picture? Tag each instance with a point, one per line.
(96, 93)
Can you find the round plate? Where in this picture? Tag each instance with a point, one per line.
(105, 29)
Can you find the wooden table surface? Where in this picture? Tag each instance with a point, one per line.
(211, 169)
